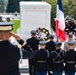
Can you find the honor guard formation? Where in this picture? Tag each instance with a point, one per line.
(49, 57)
(44, 57)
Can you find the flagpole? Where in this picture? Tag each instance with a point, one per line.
(57, 38)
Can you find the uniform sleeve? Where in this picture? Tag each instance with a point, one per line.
(27, 51)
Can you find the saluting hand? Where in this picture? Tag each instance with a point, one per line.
(15, 36)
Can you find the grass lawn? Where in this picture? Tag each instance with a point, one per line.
(16, 25)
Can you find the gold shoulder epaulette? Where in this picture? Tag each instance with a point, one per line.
(23, 44)
(20, 46)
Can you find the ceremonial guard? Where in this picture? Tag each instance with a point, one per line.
(50, 46)
(70, 38)
(70, 59)
(41, 59)
(56, 60)
(9, 53)
(33, 42)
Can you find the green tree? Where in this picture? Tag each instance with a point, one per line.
(2, 6)
(70, 8)
(13, 5)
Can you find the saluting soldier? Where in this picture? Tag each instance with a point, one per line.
(33, 42)
(9, 53)
(70, 59)
(50, 46)
(56, 59)
(41, 59)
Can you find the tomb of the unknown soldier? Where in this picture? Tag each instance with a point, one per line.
(32, 16)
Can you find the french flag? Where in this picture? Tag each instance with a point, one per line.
(60, 22)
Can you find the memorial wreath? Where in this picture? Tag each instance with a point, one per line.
(42, 34)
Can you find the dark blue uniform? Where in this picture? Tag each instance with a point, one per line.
(50, 46)
(33, 42)
(70, 61)
(56, 59)
(41, 60)
(9, 57)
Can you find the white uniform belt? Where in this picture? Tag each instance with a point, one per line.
(41, 61)
(58, 61)
(70, 62)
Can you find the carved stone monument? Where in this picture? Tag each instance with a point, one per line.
(33, 15)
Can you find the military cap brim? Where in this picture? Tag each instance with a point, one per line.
(58, 44)
(42, 42)
(71, 42)
(6, 26)
(51, 36)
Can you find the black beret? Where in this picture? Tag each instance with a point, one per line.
(6, 26)
(51, 36)
(42, 42)
(58, 44)
(71, 42)
(33, 32)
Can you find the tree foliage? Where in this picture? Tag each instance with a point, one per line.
(69, 7)
(2, 6)
(13, 5)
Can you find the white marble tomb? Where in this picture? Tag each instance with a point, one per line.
(32, 16)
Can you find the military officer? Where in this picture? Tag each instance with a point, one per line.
(56, 59)
(41, 59)
(70, 59)
(9, 53)
(33, 42)
(50, 46)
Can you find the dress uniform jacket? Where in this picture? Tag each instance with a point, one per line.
(56, 58)
(9, 57)
(70, 60)
(50, 46)
(33, 42)
(40, 60)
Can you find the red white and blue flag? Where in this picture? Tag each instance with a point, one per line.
(60, 22)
